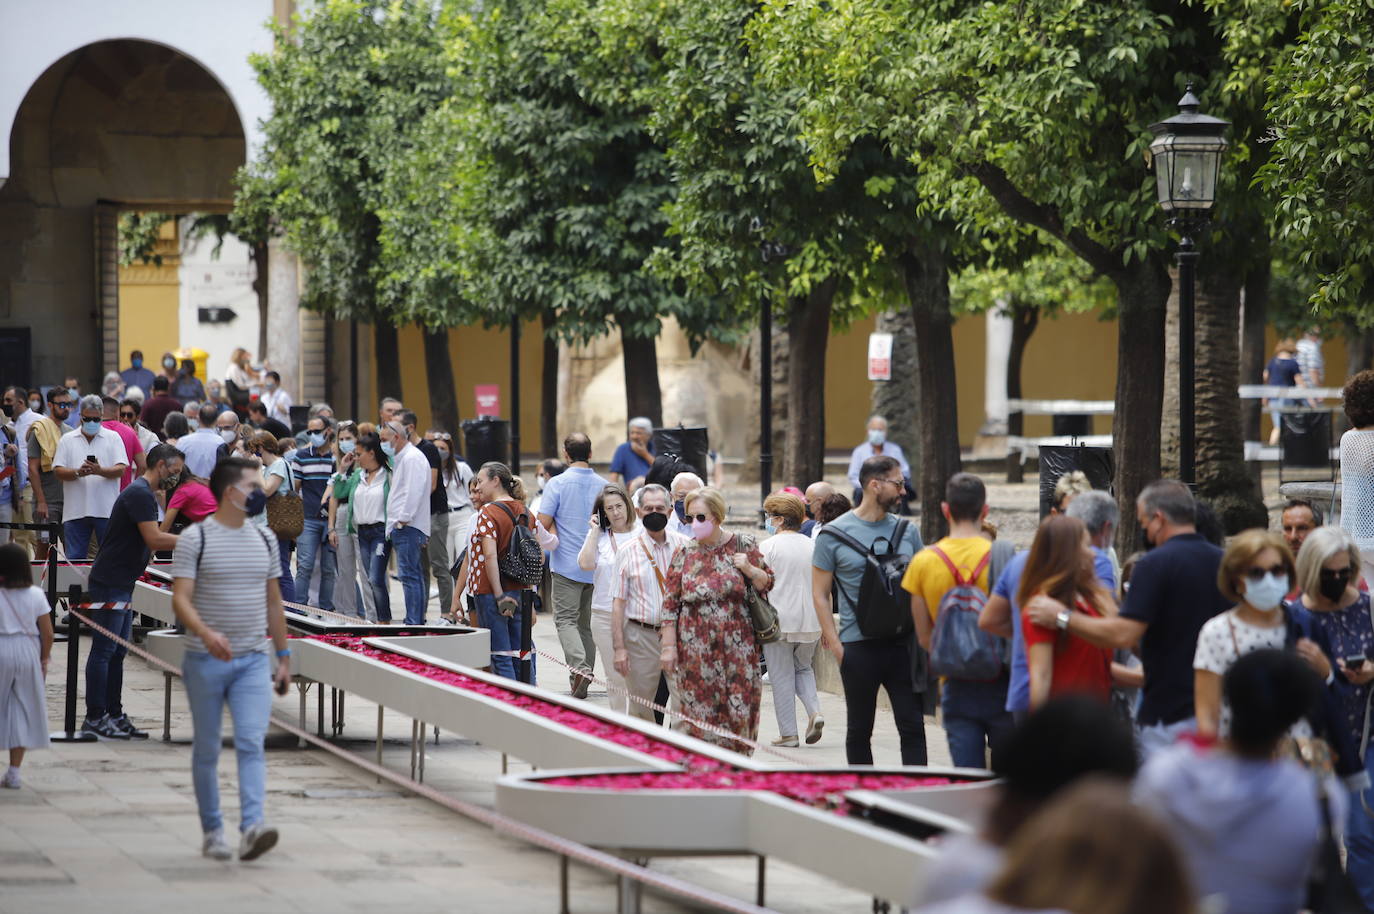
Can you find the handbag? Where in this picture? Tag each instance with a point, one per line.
(767, 628)
(286, 511)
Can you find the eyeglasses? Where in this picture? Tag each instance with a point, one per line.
(1257, 574)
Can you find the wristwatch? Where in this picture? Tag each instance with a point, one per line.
(1061, 621)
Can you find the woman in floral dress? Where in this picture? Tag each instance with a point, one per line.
(707, 637)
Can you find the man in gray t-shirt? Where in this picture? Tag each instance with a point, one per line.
(866, 664)
(225, 593)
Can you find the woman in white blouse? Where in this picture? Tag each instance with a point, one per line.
(368, 502)
(789, 658)
(598, 556)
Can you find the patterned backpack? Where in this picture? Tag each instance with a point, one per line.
(523, 560)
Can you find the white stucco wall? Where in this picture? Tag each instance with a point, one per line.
(219, 35)
(225, 281)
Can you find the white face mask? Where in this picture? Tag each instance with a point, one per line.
(227, 435)
(1267, 593)
(876, 437)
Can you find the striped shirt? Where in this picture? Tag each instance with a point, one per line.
(636, 582)
(313, 471)
(231, 567)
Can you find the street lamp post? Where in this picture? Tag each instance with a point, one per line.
(1186, 155)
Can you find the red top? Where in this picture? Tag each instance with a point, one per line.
(132, 446)
(1079, 667)
(193, 501)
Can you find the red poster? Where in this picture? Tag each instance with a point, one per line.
(488, 399)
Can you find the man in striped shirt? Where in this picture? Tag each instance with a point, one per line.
(225, 593)
(313, 465)
(640, 571)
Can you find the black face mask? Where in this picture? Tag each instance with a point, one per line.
(9, 410)
(1334, 583)
(655, 522)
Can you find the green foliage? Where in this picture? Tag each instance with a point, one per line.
(138, 234)
(1050, 282)
(1323, 118)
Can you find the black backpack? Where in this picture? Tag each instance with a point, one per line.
(524, 557)
(883, 609)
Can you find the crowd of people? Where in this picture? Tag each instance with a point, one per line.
(1214, 694)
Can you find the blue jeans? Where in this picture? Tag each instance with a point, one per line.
(1359, 837)
(408, 544)
(77, 534)
(105, 663)
(975, 717)
(245, 684)
(313, 542)
(287, 585)
(374, 566)
(505, 634)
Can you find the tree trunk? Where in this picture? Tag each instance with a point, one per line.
(925, 273)
(1253, 316)
(443, 402)
(1024, 320)
(1359, 353)
(808, 333)
(258, 254)
(749, 471)
(892, 399)
(548, 389)
(642, 394)
(1222, 476)
(387, 350)
(1142, 292)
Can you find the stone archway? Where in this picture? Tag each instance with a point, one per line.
(113, 124)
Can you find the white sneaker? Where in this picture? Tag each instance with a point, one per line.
(434, 591)
(214, 846)
(258, 840)
(11, 779)
(813, 729)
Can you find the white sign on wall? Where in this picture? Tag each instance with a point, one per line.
(880, 357)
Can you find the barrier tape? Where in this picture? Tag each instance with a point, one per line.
(537, 836)
(115, 605)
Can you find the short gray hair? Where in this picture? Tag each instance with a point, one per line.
(688, 477)
(1172, 499)
(1322, 545)
(316, 408)
(642, 422)
(92, 401)
(1094, 508)
(653, 488)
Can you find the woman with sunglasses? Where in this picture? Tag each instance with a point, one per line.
(1257, 572)
(1339, 613)
(706, 635)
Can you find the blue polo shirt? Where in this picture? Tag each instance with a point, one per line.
(569, 498)
(1018, 692)
(629, 464)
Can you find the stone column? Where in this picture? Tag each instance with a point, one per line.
(283, 317)
(998, 341)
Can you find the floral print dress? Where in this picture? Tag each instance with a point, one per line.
(717, 678)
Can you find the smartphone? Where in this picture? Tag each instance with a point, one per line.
(1355, 662)
(90, 458)
(603, 520)
(283, 686)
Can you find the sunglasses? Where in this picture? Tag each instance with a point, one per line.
(1257, 574)
(700, 518)
(128, 415)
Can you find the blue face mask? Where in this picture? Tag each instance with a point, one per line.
(192, 423)
(74, 392)
(137, 363)
(255, 503)
(346, 445)
(316, 438)
(768, 527)
(90, 426)
(387, 449)
(680, 508)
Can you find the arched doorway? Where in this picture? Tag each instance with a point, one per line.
(114, 124)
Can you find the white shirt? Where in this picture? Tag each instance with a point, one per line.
(20, 608)
(409, 502)
(603, 578)
(21, 428)
(369, 507)
(637, 583)
(146, 437)
(456, 486)
(201, 449)
(789, 555)
(278, 403)
(89, 496)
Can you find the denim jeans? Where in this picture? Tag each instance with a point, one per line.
(245, 685)
(505, 634)
(1154, 737)
(105, 663)
(370, 541)
(975, 717)
(287, 585)
(1359, 837)
(866, 667)
(311, 544)
(77, 534)
(408, 544)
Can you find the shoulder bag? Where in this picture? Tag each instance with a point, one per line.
(767, 628)
(286, 510)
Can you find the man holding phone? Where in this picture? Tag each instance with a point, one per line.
(90, 461)
(225, 593)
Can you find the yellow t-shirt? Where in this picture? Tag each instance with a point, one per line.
(929, 576)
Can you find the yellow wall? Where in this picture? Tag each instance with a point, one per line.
(148, 305)
(479, 356)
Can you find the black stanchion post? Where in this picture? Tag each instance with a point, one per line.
(72, 733)
(527, 636)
